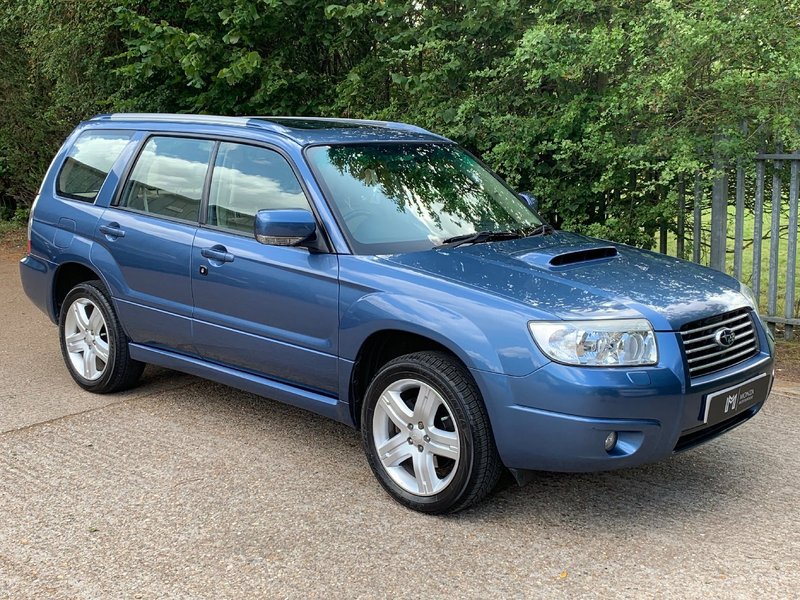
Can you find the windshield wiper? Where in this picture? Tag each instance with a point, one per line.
(494, 236)
(544, 228)
(479, 237)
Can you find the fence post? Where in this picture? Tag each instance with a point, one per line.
(719, 213)
(738, 234)
(774, 242)
(758, 228)
(680, 241)
(697, 218)
(791, 255)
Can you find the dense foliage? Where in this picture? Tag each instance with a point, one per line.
(53, 73)
(599, 107)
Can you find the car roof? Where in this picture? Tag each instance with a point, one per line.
(302, 130)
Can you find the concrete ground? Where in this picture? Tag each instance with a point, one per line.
(183, 488)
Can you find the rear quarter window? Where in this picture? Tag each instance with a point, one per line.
(88, 163)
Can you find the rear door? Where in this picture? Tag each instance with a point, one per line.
(148, 237)
(266, 309)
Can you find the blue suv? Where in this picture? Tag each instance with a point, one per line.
(380, 275)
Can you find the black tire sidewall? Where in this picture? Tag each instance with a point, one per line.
(99, 299)
(410, 369)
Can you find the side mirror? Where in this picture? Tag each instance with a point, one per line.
(285, 227)
(529, 199)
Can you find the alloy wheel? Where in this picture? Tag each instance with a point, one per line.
(416, 437)
(86, 337)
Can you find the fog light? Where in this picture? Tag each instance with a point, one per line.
(611, 441)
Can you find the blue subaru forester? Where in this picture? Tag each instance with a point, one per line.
(380, 275)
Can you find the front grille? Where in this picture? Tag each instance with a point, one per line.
(704, 355)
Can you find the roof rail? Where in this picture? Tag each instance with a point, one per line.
(280, 125)
(172, 118)
(366, 122)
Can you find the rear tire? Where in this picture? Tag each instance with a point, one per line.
(427, 435)
(93, 343)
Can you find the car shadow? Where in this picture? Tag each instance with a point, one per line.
(710, 478)
(716, 478)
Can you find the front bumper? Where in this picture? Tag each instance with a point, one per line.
(558, 417)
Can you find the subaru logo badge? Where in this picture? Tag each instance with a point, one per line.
(725, 337)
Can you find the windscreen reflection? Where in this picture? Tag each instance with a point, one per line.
(405, 197)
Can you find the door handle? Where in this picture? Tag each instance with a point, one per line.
(217, 253)
(112, 230)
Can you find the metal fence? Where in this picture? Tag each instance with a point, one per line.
(761, 190)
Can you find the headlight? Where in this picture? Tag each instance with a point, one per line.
(619, 342)
(751, 297)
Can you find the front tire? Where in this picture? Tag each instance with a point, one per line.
(427, 435)
(93, 343)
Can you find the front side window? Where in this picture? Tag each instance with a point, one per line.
(168, 178)
(88, 163)
(247, 179)
(409, 197)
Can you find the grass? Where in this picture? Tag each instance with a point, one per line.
(12, 236)
(787, 353)
(747, 255)
(10, 228)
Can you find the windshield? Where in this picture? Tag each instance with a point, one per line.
(407, 197)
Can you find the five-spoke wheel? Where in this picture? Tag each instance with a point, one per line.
(93, 342)
(427, 434)
(86, 337)
(416, 437)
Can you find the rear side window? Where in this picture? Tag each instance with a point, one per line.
(88, 162)
(168, 177)
(247, 179)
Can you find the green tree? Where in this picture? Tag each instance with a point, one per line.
(54, 72)
(235, 56)
(598, 107)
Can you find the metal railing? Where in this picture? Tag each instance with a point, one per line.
(712, 245)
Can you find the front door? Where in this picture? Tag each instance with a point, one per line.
(265, 309)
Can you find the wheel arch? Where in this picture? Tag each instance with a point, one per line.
(379, 348)
(67, 276)
(381, 326)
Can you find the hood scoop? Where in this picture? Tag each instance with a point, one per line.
(581, 256)
(564, 257)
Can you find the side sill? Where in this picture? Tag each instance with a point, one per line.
(268, 388)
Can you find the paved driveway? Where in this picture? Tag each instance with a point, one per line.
(184, 488)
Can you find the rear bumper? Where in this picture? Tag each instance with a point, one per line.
(36, 275)
(558, 418)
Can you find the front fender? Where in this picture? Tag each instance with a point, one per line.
(383, 311)
(482, 337)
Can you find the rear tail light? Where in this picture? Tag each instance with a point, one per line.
(30, 222)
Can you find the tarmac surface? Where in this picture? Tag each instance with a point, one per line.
(183, 488)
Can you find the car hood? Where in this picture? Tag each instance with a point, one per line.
(571, 276)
